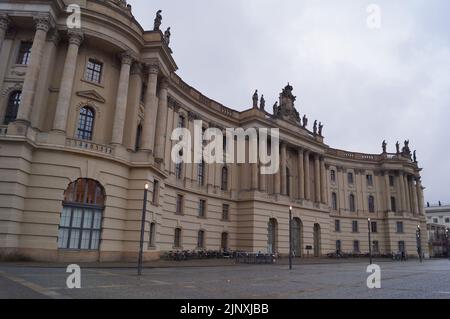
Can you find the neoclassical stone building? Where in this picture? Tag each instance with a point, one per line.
(86, 116)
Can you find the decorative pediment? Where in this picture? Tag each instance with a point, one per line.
(91, 95)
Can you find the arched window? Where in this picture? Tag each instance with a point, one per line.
(13, 106)
(86, 123)
(152, 235)
(81, 218)
(224, 178)
(352, 202)
(201, 239)
(177, 238)
(371, 204)
(137, 144)
(334, 201)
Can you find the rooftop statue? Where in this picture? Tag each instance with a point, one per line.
(275, 109)
(320, 128)
(167, 36)
(384, 146)
(255, 99)
(415, 157)
(315, 127)
(397, 146)
(305, 121)
(158, 20)
(286, 109)
(262, 103)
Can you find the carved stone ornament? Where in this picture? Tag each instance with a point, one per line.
(286, 109)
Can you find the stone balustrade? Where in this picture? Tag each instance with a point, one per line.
(88, 146)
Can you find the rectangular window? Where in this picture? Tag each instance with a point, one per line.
(350, 178)
(79, 228)
(179, 208)
(375, 247)
(155, 199)
(338, 246)
(435, 220)
(369, 180)
(24, 53)
(401, 246)
(201, 239)
(94, 71)
(181, 121)
(225, 212)
(152, 235)
(337, 225)
(391, 181)
(399, 227)
(201, 173)
(179, 170)
(355, 226)
(177, 238)
(393, 204)
(202, 208)
(447, 220)
(373, 227)
(356, 246)
(333, 176)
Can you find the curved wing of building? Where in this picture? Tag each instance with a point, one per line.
(88, 104)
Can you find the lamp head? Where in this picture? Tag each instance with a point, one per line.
(290, 208)
(146, 185)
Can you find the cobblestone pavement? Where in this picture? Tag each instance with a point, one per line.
(411, 279)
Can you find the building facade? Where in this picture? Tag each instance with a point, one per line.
(438, 214)
(86, 118)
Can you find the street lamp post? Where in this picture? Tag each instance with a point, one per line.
(419, 245)
(446, 241)
(141, 243)
(290, 238)
(370, 241)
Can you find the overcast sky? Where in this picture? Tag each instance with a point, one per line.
(364, 84)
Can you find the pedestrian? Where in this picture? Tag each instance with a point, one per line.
(403, 255)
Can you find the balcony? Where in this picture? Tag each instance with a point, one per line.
(88, 146)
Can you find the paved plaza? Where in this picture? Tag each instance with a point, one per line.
(314, 280)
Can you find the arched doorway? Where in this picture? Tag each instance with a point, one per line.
(272, 233)
(317, 243)
(297, 237)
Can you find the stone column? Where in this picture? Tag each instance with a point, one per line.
(323, 181)
(407, 197)
(4, 23)
(33, 68)
(169, 142)
(66, 86)
(277, 179)
(317, 178)
(415, 202)
(161, 122)
(387, 192)
(262, 181)
(134, 102)
(301, 174)
(151, 109)
(255, 175)
(419, 190)
(122, 99)
(307, 177)
(283, 170)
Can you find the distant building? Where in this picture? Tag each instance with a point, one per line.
(438, 224)
(438, 214)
